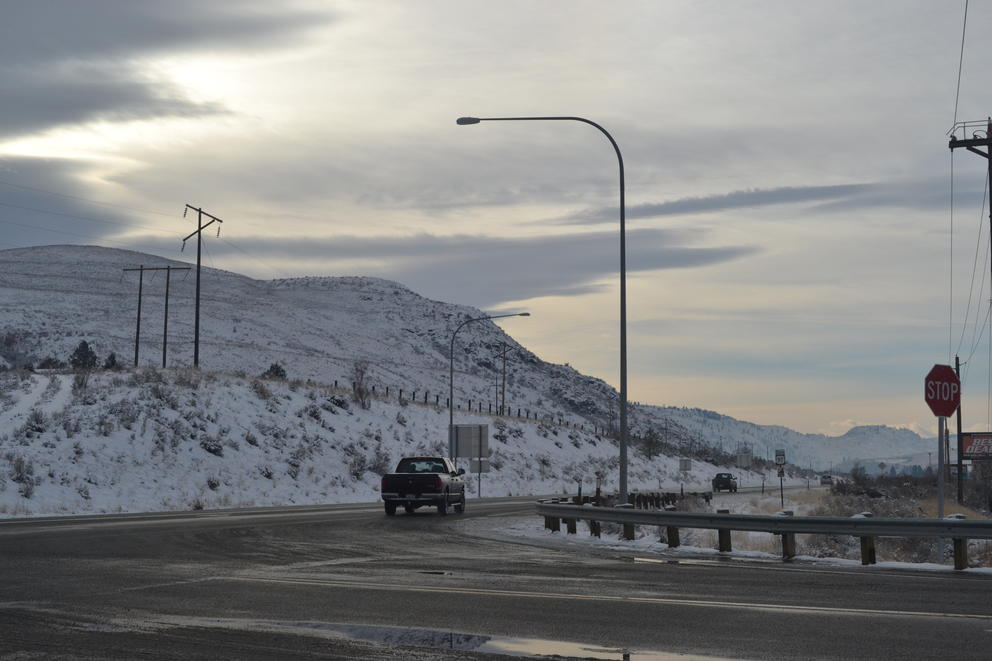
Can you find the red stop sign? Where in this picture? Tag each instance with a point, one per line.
(942, 390)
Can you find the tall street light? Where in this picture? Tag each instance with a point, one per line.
(462, 121)
(451, 376)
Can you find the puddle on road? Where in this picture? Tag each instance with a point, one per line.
(522, 647)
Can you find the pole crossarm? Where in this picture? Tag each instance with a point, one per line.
(160, 268)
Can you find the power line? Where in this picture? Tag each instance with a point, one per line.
(83, 199)
(950, 297)
(957, 94)
(78, 217)
(974, 267)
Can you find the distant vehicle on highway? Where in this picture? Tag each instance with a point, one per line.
(424, 481)
(826, 479)
(724, 482)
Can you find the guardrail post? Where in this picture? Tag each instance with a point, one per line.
(672, 533)
(570, 526)
(628, 528)
(960, 546)
(788, 541)
(867, 545)
(595, 529)
(723, 536)
(960, 553)
(867, 550)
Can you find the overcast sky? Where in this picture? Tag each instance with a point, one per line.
(788, 177)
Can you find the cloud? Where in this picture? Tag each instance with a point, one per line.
(66, 63)
(89, 93)
(29, 216)
(47, 31)
(487, 271)
(733, 200)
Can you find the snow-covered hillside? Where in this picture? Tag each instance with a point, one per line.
(51, 297)
(151, 439)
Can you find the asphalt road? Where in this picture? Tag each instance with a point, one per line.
(347, 582)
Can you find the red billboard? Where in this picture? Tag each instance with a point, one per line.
(976, 445)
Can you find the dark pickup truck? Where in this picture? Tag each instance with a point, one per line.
(724, 482)
(420, 481)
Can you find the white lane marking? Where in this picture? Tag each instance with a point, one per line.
(169, 584)
(778, 565)
(829, 610)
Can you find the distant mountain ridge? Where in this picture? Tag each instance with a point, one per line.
(51, 297)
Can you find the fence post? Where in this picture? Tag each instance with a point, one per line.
(723, 536)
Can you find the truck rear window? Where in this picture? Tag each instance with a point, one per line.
(420, 466)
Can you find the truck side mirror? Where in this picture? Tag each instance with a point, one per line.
(461, 471)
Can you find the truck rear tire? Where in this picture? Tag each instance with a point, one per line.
(442, 505)
(460, 505)
(390, 508)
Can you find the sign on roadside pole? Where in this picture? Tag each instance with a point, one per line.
(781, 479)
(780, 457)
(942, 393)
(685, 465)
(472, 442)
(976, 446)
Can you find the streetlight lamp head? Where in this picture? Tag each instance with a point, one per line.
(462, 121)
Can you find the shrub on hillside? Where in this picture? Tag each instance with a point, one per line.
(261, 390)
(83, 357)
(275, 371)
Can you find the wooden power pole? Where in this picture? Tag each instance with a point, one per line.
(165, 333)
(200, 213)
(972, 144)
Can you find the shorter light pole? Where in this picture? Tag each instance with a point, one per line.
(451, 376)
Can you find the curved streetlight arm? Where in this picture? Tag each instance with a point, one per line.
(463, 121)
(451, 375)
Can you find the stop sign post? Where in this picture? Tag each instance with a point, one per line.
(942, 393)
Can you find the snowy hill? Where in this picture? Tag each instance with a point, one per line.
(51, 297)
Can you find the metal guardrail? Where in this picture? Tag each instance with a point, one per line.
(815, 525)
(866, 528)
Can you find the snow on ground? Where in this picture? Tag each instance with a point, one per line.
(151, 440)
(51, 297)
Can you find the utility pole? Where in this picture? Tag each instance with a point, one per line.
(503, 349)
(957, 370)
(972, 144)
(200, 213)
(165, 335)
(137, 330)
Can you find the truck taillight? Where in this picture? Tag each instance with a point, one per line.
(437, 483)
(382, 484)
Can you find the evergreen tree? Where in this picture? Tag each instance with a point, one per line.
(111, 362)
(83, 358)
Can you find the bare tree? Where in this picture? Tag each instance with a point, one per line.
(360, 392)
